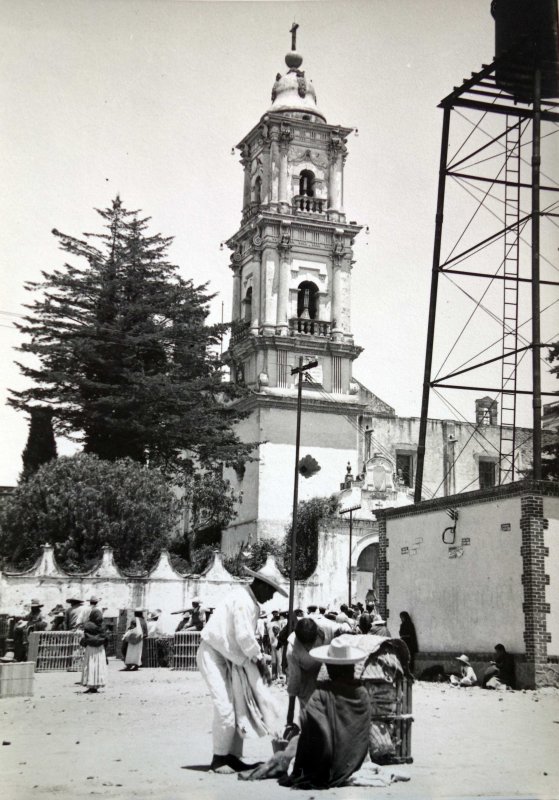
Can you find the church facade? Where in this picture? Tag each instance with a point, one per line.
(291, 262)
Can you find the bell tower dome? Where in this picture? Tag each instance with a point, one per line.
(291, 261)
(292, 255)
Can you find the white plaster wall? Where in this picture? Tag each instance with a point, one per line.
(276, 473)
(465, 603)
(551, 540)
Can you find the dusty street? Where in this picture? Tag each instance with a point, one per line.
(148, 736)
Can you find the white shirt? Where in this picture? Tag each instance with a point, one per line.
(231, 630)
(154, 629)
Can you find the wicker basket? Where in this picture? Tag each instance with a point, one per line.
(56, 650)
(184, 650)
(16, 679)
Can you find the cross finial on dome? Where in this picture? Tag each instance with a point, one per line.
(293, 32)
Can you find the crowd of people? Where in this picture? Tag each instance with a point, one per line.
(342, 668)
(243, 650)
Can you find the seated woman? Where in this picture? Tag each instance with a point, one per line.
(334, 723)
(467, 675)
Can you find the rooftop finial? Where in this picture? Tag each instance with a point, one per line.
(293, 59)
(293, 32)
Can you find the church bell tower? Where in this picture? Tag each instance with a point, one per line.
(291, 263)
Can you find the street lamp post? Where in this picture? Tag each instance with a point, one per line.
(348, 504)
(296, 371)
(349, 557)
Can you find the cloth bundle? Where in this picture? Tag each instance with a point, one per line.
(256, 710)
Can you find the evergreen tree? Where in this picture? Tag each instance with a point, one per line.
(80, 503)
(127, 361)
(41, 444)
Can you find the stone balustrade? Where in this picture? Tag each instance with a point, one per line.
(310, 327)
(303, 204)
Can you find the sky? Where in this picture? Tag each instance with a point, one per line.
(146, 98)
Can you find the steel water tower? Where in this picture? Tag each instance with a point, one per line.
(499, 130)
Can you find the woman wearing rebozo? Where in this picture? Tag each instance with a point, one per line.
(132, 641)
(94, 673)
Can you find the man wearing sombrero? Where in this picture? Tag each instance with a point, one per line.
(35, 620)
(233, 665)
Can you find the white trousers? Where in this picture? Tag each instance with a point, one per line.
(216, 671)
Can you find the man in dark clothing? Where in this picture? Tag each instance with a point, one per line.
(502, 669)
(197, 618)
(35, 620)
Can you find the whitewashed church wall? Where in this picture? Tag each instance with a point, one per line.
(164, 588)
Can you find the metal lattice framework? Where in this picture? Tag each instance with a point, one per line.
(498, 164)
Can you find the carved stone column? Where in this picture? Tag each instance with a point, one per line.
(337, 286)
(285, 137)
(268, 310)
(245, 161)
(337, 152)
(274, 167)
(236, 310)
(264, 140)
(256, 282)
(284, 249)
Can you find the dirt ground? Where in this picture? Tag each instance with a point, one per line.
(147, 735)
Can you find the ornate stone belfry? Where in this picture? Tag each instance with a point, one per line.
(291, 261)
(292, 255)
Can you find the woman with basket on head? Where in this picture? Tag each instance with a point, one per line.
(94, 673)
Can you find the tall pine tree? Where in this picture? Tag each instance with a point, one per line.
(128, 363)
(41, 444)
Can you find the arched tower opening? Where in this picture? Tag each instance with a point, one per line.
(307, 300)
(247, 303)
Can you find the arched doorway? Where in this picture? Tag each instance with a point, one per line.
(367, 574)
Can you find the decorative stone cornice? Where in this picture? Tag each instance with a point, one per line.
(309, 402)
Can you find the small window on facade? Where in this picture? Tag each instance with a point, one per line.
(306, 183)
(404, 469)
(486, 417)
(307, 301)
(487, 473)
(248, 305)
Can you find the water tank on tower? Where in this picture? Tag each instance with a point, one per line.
(526, 37)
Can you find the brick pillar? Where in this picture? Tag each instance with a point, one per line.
(533, 581)
(382, 565)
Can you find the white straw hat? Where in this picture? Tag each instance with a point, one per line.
(338, 652)
(266, 575)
